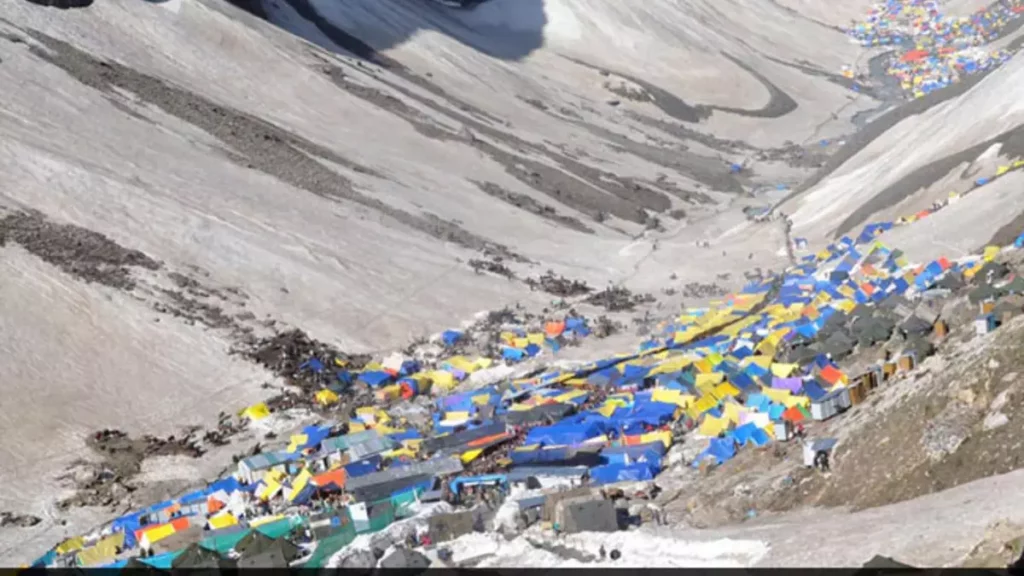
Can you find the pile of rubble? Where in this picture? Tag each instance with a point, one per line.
(619, 299)
(559, 285)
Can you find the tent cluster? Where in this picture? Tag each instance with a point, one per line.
(872, 230)
(397, 377)
(741, 372)
(938, 50)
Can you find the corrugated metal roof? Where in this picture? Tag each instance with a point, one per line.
(371, 447)
(269, 460)
(352, 441)
(523, 472)
(433, 467)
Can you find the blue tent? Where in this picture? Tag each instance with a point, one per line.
(720, 450)
(450, 337)
(362, 467)
(313, 364)
(375, 378)
(623, 473)
(750, 433)
(562, 433)
(813, 390)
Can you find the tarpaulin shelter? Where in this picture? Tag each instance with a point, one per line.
(720, 450)
(623, 473)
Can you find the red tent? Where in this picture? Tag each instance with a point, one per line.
(914, 56)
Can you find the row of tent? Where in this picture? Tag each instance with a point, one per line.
(871, 231)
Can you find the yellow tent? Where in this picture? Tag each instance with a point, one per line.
(783, 370)
(776, 395)
(223, 520)
(569, 396)
(269, 490)
(732, 411)
(471, 455)
(298, 483)
(255, 412)
(389, 393)
(703, 404)
(103, 552)
(990, 253)
(668, 396)
(442, 379)
(158, 533)
(725, 390)
(709, 379)
(70, 545)
(326, 397)
(663, 436)
(399, 453)
(265, 520)
(296, 441)
(712, 426)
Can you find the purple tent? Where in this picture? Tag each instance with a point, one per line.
(792, 384)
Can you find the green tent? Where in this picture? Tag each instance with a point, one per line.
(329, 546)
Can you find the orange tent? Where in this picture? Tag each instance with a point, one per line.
(831, 375)
(944, 263)
(336, 477)
(213, 505)
(793, 414)
(554, 329)
(867, 288)
(489, 439)
(177, 523)
(632, 440)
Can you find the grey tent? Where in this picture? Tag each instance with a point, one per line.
(800, 354)
(880, 561)
(915, 326)
(983, 293)
(838, 346)
(1005, 306)
(920, 347)
(405, 558)
(592, 515)
(136, 564)
(196, 559)
(256, 539)
(542, 414)
(1015, 286)
(951, 281)
(991, 272)
(443, 527)
(385, 487)
(438, 443)
(269, 553)
(871, 331)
